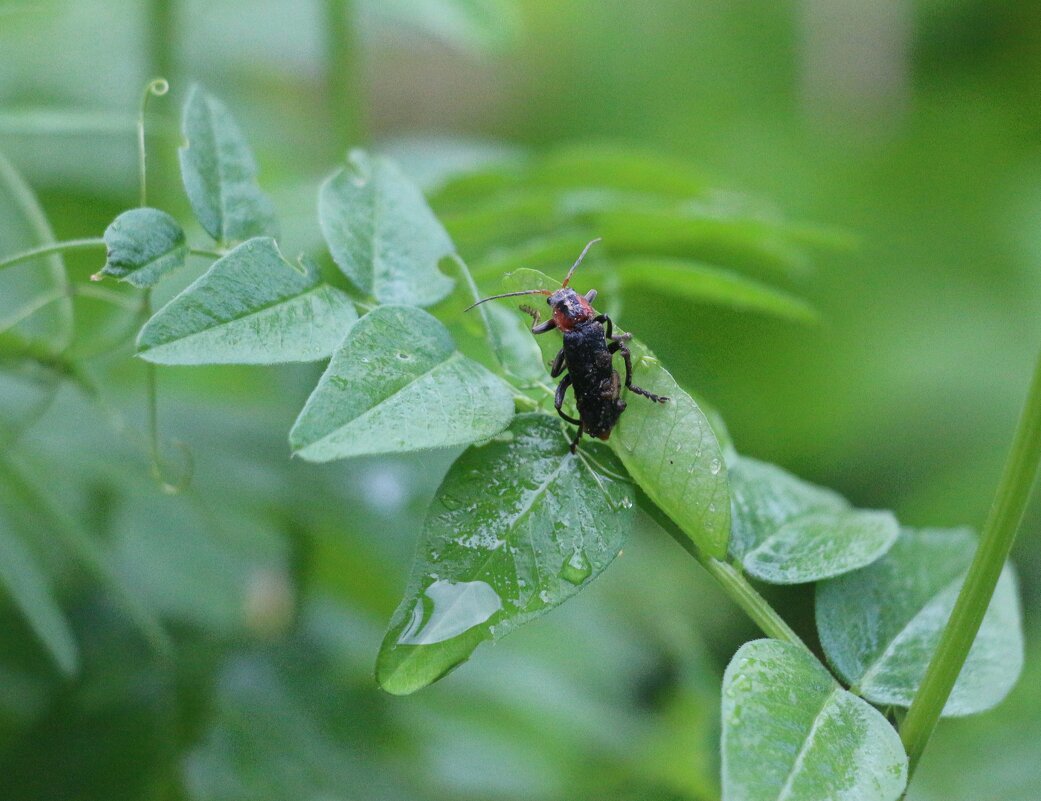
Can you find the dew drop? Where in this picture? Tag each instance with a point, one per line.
(447, 609)
(576, 568)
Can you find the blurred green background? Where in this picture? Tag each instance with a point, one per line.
(916, 126)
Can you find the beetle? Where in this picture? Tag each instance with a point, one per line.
(587, 356)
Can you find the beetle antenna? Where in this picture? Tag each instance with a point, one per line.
(578, 261)
(509, 295)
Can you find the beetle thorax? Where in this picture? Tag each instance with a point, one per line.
(569, 309)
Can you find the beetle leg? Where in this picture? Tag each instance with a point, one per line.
(609, 333)
(619, 347)
(590, 296)
(558, 401)
(537, 328)
(558, 366)
(578, 436)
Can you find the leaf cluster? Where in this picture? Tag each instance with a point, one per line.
(520, 523)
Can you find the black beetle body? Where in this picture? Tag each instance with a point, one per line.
(587, 357)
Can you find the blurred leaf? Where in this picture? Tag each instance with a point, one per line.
(791, 733)
(879, 626)
(30, 590)
(788, 531)
(518, 526)
(398, 384)
(23, 225)
(143, 245)
(700, 234)
(220, 174)
(284, 725)
(669, 449)
(250, 307)
(22, 489)
(618, 167)
(382, 234)
(681, 278)
(202, 564)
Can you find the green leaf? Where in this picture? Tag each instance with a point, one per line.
(672, 452)
(143, 245)
(518, 526)
(398, 384)
(30, 590)
(250, 307)
(220, 174)
(697, 281)
(703, 234)
(791, 733)
(669, 449)
(382, 234)
(879, 626)
(788, 531)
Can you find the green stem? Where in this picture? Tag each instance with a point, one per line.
(343, 91)
(155, 88)
(732, 581)
(161, 19)
(999, 533)
(48, 250)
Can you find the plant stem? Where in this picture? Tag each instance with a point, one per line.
(48, 250)
(161, 19)
(999, 533)
(157, 87)
(342, 80)
(734, 584)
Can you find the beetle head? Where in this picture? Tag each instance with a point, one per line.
(569, 308)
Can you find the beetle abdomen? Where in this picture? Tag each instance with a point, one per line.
(596, 385)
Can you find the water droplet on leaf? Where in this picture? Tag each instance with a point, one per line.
(576, 568)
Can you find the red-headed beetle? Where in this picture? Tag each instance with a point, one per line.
(586, 356)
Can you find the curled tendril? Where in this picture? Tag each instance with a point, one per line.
(158, 87)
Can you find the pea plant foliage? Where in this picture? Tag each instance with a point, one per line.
(521, 522)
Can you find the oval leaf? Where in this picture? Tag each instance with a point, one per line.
(250, 307)
(143, 245)
(382, 234)
(219, 173)
(669, 449)
(396, 384)
(791, 732)
(788, 531)
(879, 626)
(518, 526)
(672, 452)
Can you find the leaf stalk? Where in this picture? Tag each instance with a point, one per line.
(999, 533)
